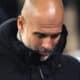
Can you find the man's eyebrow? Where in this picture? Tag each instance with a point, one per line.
(42, 33)
(39, 33)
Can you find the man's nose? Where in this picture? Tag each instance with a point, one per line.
(47, 43)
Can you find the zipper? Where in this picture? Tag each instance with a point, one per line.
(41, 73)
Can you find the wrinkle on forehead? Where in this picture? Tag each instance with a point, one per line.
(48, 28)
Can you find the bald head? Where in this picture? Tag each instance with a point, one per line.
(46, 9)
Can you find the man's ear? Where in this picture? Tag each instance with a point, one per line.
(20, 23)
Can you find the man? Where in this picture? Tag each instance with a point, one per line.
(32, 48)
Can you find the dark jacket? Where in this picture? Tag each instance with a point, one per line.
(18, 62)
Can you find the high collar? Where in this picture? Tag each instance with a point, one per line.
(34, 58)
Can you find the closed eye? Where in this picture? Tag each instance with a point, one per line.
(44, 35)
(40, 35)
(55, 35)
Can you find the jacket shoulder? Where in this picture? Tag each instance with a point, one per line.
(67, 59)
(8, 31)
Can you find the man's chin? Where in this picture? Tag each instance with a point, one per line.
(44, 58)
(43, 54)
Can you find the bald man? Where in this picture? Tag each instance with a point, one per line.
(31, 47)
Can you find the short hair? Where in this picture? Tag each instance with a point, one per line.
(20, 5)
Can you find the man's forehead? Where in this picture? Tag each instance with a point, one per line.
(47, 28)
(46, 21)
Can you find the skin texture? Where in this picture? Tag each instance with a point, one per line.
(40, 24)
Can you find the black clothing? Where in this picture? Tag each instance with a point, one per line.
(3, 15)
(18, 62)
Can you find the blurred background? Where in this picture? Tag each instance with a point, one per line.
(72, 21)
(8, 9)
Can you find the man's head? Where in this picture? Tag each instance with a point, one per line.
(40, 24)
